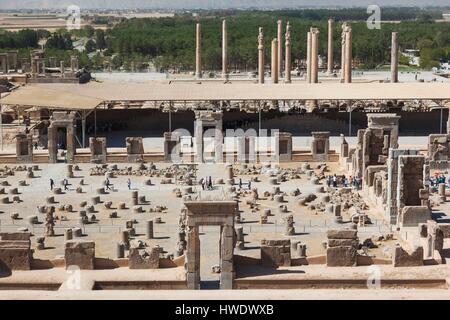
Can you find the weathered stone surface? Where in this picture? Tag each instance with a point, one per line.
(15, 251)
(402, 258)
(342, 242)
(411, 216)
(80, 253)
(342, 256)
(144, 260)
(342, 234)
(275, 253)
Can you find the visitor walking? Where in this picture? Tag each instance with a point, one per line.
(65, 183)
(52, 184)
(334, 181)
(107, 184)
(129, 183)
(202, 182)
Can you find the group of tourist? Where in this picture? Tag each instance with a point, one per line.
(241, 183)
(207, 183)
(336, 181)
(439, 178)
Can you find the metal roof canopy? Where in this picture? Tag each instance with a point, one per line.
(91, 95)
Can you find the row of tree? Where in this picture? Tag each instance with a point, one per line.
(170, 42)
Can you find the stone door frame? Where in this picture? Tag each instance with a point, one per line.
(209, 119)
(61, 120)
(210, 213)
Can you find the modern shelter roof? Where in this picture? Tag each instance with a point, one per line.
(91, 95)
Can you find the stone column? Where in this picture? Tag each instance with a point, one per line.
(198, 135)
(274, 65)
(62, 68)
(287, 66)
(261, 56)
(227, 271)
(344, 26)
(448, 123)
(218, 142)
(314, 55)
(308, 57)
(330, 60)
(224, 50)
(4, 63)
(394, 58)
(149, 229)
(280, 48)
(348, 56)
(193, 258)
(198, 52)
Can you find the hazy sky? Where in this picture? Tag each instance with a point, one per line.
(209, 4)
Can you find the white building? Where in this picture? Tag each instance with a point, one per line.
(413, 56)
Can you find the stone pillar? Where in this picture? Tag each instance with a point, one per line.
(274, 65)
(198, 52)
(308, 57)
(287, 66)
(246, 152)
(394, 58)
(62, 68)
(97, 146)
(348, 56)
(330, 60)
(218, 141)
(33, 67)
(224, 50)
(135, 149)
(441, 191)
(4, 62)
(344, 26)
(314, 55)
(193, 258)
(24, 148)
(344, 147)
(226, 257)
(149, 229)
(172, 150)
(280, 48)
(261, 56)
(74, 64)
(283, 146)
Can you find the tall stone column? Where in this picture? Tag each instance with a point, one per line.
(344, 26)
(261, 56)
(224, 50)
(287, 60)
(274, 72)
(308, 57)
(280, 48)
(198, 52)
(330, 60)
(198, 133)
(62, 68)
(314, 55)
(348, 56)
(394, 58)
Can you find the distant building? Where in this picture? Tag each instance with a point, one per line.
(413, 56)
